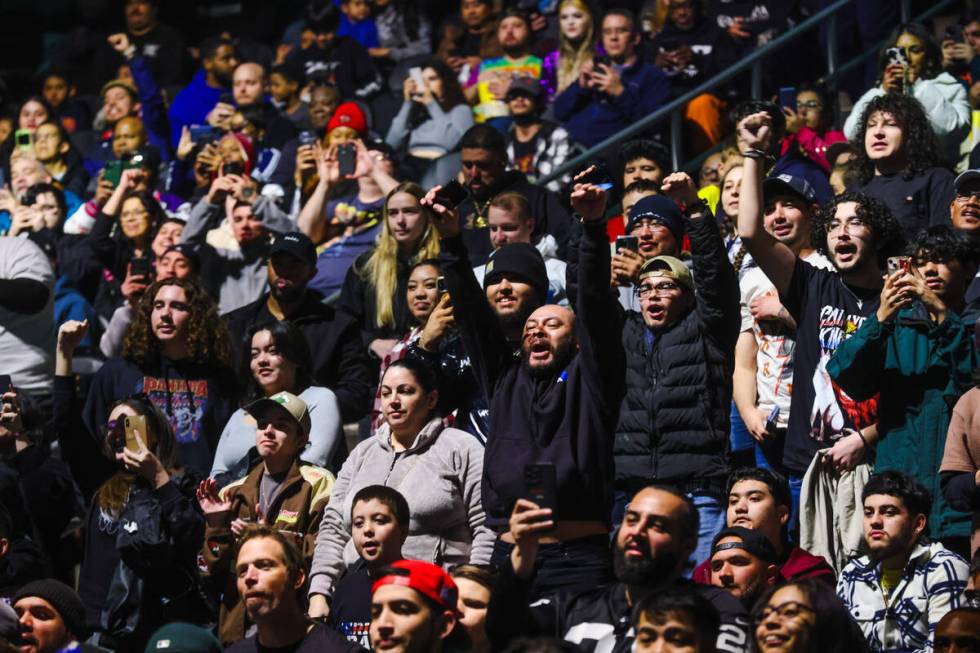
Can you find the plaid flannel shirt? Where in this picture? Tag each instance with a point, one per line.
(932, 585)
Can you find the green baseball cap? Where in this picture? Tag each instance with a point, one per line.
(668, 267)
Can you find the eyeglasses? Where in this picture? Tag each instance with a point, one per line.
(964, 196)
(788, 610)
(662, 289)
(852, 224)
(811, 104)
(126, 215)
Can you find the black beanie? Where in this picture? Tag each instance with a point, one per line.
(63, 599)
(522, 260)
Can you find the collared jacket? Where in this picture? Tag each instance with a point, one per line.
(296, 510)
(931, 585)
(674, 420)
(920, 369)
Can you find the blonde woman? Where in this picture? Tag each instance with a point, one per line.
(575, 45)
(376, 285)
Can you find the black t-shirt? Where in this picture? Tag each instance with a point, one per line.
(350, 609)
(524, 155)
(319, 639)
(917, 202)
(828, 311)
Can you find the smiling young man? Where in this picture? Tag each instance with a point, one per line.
(509, 221)
(282, 491)
(917, 354)
(414, 610)
(679, 361)
(270, 577)
(856, 233)
(899, 591)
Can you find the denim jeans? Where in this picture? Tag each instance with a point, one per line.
(711, 513)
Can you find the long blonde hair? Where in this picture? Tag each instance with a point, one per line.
(381, 268)
(571, 56)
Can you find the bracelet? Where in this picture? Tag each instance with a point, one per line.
(867, 447)
(754, 153)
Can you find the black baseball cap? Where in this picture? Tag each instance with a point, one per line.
(788, 185)
(188, 252)
(752, 541)
(297, 245)
(524, 86)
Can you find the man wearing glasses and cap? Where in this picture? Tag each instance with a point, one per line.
(679, 363)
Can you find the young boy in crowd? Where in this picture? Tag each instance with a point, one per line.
(284, 83)
(379, 526)
(58, 89)
(357, 23)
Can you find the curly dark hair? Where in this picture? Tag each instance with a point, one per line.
(207, 337)
(918, 140)
(933, 64)
(943, 242)
(888, 234)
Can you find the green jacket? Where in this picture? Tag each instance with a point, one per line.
(920, 369)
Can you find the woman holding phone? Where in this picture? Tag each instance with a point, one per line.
(375, 287)
(131, 580)
(433, 117)
(911, 64)
(439, 470)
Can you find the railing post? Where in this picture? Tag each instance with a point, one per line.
(757, 80)
(677, 138)
(906, 10)
(832, 44)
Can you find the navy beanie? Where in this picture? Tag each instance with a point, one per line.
(522, 260)
(659, 209)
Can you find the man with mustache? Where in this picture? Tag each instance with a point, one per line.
(679, 364)
(857, 233)
(555, 405)
(650, 552)
(271, 578)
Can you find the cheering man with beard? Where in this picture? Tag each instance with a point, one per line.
(650, 552)
(553, 409)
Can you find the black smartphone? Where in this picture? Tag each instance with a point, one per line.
(787, 97)
(452, 194)
(628, 242)
(541, 486)
(233, 168)
(954, 32)
(24, 139)
(599, 176)
(669, 45)
(227, 98)
(6, 382)
(140, 267)
(441, 285)
(347, 159)
(601, 60)
(306, 137)
(203, 133)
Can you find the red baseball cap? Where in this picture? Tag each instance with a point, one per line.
(350, 115)
(424, 577)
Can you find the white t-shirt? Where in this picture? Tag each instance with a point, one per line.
(27, 341)
(775, 342)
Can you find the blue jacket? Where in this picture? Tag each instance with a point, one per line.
(591, 116)
(192, 104)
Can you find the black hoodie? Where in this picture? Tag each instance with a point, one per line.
(196, 398)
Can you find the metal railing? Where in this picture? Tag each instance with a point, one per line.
(675, 108)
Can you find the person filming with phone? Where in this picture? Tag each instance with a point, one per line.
(614, 91)
(917, 353)
(553, 407)
(133, 579)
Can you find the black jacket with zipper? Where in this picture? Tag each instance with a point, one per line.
(674, 420)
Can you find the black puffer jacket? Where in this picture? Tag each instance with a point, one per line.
(674, 420)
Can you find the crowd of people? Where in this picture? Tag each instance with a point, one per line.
(314, 343)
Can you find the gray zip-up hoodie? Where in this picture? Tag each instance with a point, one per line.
(439, 475)
(238, 276)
